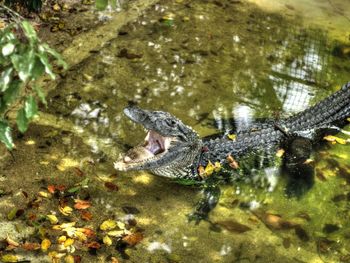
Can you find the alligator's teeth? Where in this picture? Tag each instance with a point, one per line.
(127, 159)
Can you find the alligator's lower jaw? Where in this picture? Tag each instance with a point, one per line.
(154, 147)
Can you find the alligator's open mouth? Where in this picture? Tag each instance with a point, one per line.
(153, 147)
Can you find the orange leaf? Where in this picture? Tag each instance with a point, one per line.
(133, 239)
(81, 204)
(86, 215)
(51, 189)
(31, 246)
(88, 232)
(93, 244)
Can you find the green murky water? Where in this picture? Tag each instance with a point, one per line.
(207, 62)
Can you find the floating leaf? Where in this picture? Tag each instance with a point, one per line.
(280, 153)
(61, 239)
(133, 239)
(107, 241)
(81, 204)
(108, 225)
(233, 226)
(232, 136)
(334, 139)
(232, 162)
(45, 244)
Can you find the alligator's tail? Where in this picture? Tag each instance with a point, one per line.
(331, 111)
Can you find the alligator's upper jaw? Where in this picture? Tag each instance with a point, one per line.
(153, 147)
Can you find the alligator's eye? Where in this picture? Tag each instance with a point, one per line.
(171, 123)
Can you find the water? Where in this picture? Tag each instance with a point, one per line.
(208, 62)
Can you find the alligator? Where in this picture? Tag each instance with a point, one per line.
(174, 150)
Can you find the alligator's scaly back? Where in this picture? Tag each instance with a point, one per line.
(331, 111)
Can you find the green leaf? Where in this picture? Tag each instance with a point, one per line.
(5, 78)
(41, 94)
(101, 4)
(22, 121)
(30, 107)
(38, 68)
(29, 31)
(5, 135)
(46, 63)
(7, 49)
(55, 54)
(24, 64)
(12, 92)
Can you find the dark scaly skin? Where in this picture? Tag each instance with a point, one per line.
(184, 158)
(325, 116)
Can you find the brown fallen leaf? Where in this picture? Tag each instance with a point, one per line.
(93, 244)
(273, 221)
(111, 186)
(133, 239)
(233, 226)
(86, 215)
(78, 172)
(31, 246)
(81, 204)
(232, 162)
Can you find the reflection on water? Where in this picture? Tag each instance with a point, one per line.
(221, 65)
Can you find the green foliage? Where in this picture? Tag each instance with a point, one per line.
(102, 4)
(23, 59)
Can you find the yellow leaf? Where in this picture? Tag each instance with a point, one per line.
(67, 225)
(81, 236)
(280, 153)
(68, 242)
(45, 244)
(348, 119)
(232, 136)
(108, 225)
(116, 233)
(217, 166)
(121, 225)
(61, 239)
(69, 259)
(56, 7)
(44, 194)
(334, 139)
(9, 258)
(53, 219)
(65, 210)
(107, 241)
(209, 169)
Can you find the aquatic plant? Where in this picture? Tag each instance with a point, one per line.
(23, 60)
